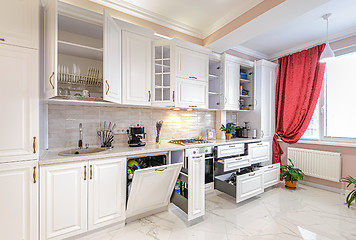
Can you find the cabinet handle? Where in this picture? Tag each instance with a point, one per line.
(192, 106)
(50, 80)
(91, 172)
(149, 96)
(238, 158)
(197, 156)
(34, 174)
(270, 167)
(259, 144)
(262, 134)
(173, 96)
(225, 100)
(255, 102)
(34, 145)
(160, 170)
(231, 145)
(193, 77)
(85, 173)
(252, 174)
(2, 39)
(107, 91)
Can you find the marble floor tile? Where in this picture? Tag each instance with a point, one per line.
(307, 213)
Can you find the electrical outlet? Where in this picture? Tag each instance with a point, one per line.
(120, 131)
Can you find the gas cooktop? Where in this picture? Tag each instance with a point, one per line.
(188, 141)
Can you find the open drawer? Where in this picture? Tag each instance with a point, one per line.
(271, 174)
(259, 152)
(229, 164)
(192, 202)
(230, 150)
(152, 188)
(247, 185)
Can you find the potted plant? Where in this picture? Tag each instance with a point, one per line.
(228, 129)
(291, 174)
(352, 195)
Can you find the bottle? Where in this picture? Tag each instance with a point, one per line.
(177, 187)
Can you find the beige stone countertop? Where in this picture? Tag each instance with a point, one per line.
(52, 157)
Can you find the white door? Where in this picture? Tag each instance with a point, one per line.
(268, 75)
(231, 85)
(19, 200)
(50, 47)
(151, 188)
(192, 65)
(19, 23)
(249, 185)
(19, 103)
(192, 94)
(136, 69)
(196, 186)
(111, 60)
(259, 152)
(107, 192)
(63, 200)
(271, 175)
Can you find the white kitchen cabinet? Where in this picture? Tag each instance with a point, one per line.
(180, 74)
(151, 188)
(136, 69)
(230, 150)
(19, 23)
(19, 102)
(192, 64)
(106, 194)
(82, 52)
(259, 152)
(247, 185)
(63, 200)
(234, 163)
(271, 175)
(231, 95)
(192, 94)
(19, 200)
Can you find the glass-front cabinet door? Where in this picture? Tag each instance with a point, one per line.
(163, 81)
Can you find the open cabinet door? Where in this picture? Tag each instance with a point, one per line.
(111, 60)
(51, 47)
(196, 186)
(152, 188)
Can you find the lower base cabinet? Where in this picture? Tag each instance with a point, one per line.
(19, 200)
(82, 196)
(248, 184)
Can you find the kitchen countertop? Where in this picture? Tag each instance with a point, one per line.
(52, 157)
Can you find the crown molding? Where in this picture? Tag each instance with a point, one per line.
(332, 38)
(136, 11)
(250, 52)
(232, 15)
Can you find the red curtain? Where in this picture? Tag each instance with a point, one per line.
(299, 82)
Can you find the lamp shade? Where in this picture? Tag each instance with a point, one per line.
(327, 54)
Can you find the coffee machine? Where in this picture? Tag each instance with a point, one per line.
(135, 134)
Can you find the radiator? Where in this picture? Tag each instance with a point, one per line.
(319, 164)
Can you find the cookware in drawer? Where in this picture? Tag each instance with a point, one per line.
(234, 163)
(259, 152)
(230, 150)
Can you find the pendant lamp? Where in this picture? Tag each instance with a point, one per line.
(328, 53)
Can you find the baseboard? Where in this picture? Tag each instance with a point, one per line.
(98, 232)
(324, 187)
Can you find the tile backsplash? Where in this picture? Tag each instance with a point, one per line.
(63, 123)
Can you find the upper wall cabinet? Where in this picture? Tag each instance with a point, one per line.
(136, 69)
(19, 23)
(79, 45)
(180, 74)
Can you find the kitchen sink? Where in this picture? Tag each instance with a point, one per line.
(81, 152)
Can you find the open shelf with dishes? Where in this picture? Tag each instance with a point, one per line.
(246, 102)
(215, 82)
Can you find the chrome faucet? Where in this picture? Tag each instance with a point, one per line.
(80, 142)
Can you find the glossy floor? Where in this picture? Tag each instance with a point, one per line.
(306, 213)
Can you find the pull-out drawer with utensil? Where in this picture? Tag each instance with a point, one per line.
(234, 163)
(192, 199)
(242, 186)
(259, 152)
(271, 174)
(230, 150)
(151, 185)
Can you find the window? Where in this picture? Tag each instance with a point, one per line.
(334, 118)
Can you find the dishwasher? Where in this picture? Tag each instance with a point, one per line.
(150, 182)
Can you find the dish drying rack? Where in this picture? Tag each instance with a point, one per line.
(75, 79)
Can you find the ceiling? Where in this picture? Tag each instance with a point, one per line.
(306, 30)
(198, 18)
